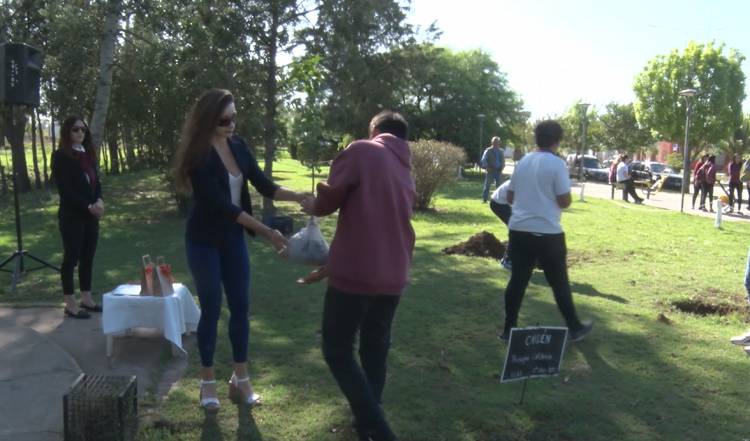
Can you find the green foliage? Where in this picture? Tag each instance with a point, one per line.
(442, 92)
(434, 164)
(572, 123)
(621, 131)
(675, 160)
(717, 110)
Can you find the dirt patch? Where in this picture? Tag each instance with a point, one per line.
(482, 244)
(714, 302)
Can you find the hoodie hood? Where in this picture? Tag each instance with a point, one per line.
(397, 146)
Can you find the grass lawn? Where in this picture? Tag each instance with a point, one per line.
(634, 378)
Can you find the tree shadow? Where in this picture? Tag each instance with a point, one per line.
(247, 429)
(210, 431)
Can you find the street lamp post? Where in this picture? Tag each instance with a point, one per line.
(688, 94)
(584, 125)
(481, 126)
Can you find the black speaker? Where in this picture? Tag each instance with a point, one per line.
(20, 72)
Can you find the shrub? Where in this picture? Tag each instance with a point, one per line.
(434, 163)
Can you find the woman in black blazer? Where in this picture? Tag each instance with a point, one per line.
(81, 207)
(215, 165)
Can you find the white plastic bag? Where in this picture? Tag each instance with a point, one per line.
(308, 245)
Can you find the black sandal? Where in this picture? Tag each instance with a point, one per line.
(95, 308)
(81, 314)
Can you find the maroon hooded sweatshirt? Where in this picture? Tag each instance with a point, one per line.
(370, 183)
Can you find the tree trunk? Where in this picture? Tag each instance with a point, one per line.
(104, 84)
(114, 158)
(15, 122)
(270, 87)
(44, 150)
(34, 156)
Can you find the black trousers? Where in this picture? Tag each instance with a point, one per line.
(371, 315)
(628, 188)
(503, 212)
(550, 252)
(735, 187)
(697, 189)
(79, 237)
(707, 190)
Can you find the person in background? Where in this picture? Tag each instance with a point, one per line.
(539, 189)
(709, 179)
(735, 184)
(371, 186)
(698, 178)
(493, 161)
(81, 207)
(624, 178)
(502, 209)
(215, 165)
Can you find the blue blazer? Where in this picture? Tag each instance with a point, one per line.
(213, 213)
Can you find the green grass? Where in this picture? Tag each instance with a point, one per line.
(634, 378)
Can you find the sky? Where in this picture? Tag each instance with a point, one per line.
(557, 52)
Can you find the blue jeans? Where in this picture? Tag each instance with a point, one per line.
(488, 178)
(747, 276)
(213, 266)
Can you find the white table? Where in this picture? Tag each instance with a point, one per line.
(124, 309)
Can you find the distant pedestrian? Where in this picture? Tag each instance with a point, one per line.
(698, 178)
(626, 180)
(709, 179)
(735, 184)
(493, 161)
(539, 189)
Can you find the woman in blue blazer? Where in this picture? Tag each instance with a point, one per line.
(216, 165)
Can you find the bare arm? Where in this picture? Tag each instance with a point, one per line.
(564, 200)
(278, 241)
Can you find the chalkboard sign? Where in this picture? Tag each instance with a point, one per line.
(534, 352)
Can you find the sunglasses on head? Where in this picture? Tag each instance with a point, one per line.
(226, 122)
(78, 129)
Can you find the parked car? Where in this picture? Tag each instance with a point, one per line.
(659, 170)
(639, 172)
(592, 169)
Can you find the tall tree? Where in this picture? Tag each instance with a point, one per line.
(717, 108)
(621, 131)
(106, 61)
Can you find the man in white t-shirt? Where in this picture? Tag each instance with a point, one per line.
(502, 209)
(539, 189)
(624, 178)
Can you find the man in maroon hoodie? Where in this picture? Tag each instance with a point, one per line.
(370, 183)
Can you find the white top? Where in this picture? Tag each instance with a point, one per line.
(500, 196)
(538, 179)
(235, 186)
(622, 171)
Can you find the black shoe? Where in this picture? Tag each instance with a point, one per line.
(95, 308)
(581, 333)
(81, 314)
(505, 336)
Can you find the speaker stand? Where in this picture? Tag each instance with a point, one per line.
(18, 255)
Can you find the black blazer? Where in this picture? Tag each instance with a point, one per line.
(76, 192)
(213, 212)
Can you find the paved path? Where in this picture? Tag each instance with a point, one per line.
(41, 354)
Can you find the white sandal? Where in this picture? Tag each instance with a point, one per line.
(236, 394)
(210, 404)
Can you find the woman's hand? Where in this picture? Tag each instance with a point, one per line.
(96, 210)
(308, 204)
(278, 241)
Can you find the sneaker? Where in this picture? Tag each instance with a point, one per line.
(742, 340)
(506, 263)
(581, 333)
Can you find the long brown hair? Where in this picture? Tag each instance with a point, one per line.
(195, 141)
(66, 143)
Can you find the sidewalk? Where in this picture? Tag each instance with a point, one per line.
(41, 354)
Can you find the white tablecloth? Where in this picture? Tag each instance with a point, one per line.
(174, 315)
